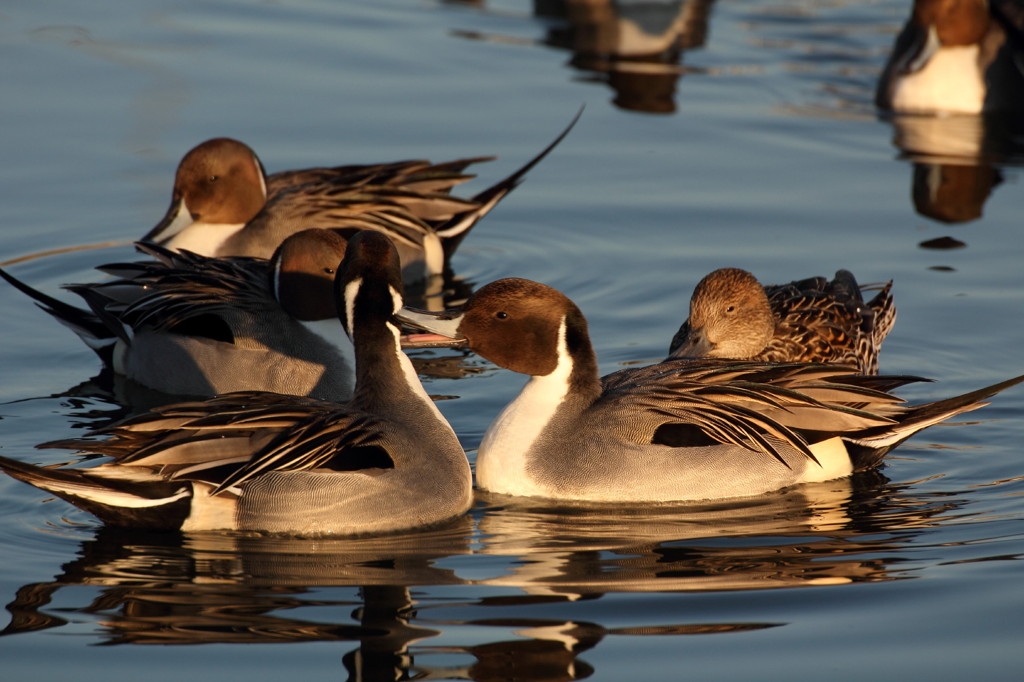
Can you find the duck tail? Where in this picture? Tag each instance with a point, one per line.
(870, 446)
(84, 323)
(455, 230)
(115, 501)
(884, 313)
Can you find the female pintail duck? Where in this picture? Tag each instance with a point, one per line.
(674, 431)
(956, 56)
(812, 320)
(191, 325)
(256, 461)
(223, 204)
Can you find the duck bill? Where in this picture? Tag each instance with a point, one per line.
(691, 343)
(178, 217)
(445, 323)
(416, 341)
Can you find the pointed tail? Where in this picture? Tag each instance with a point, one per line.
(117, 502)
(455, 230)
(871, 445)
(85, 323)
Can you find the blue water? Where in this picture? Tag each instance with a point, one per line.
(757, 146)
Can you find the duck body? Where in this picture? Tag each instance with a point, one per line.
(605, 451)
(810, 320)
(259, 461)
(679, 430)
(186, 324)
(956, 57)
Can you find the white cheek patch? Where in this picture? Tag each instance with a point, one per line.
(396, 300)
(261, 175)
(351, 290)
(275, 282)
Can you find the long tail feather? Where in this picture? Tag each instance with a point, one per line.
(455, 230)
(156, 505)
(84, 323)
(872, 445)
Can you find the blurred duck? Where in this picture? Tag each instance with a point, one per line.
(190, 325)
(223, 204)
(956, 56)
(678, 430)
(812, 320)
(256, 461)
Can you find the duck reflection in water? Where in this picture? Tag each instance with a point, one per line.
(953, 89)
(956, 160)
(635, 47)
(223, 588)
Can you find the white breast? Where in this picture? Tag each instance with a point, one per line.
(205, 239)
(950, 81)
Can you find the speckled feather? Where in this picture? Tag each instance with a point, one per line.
(811, 320)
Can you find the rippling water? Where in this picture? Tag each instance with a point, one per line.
(751, 141)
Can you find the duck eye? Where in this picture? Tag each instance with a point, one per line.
(730, 309)
(501, 315)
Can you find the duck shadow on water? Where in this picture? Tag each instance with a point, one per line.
(203, 588)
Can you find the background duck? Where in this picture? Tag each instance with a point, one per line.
(191, 325)
(261, 461)
(956, 56)
(810, 320)
(223, 204)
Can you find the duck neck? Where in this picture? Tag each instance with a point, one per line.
(546, 401)
(577, 353)
(385, 377)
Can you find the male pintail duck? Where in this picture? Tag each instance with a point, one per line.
(956, 56)
(257, 461)
(223, 204)
(812, 320)
(190, 325)
(678, 430)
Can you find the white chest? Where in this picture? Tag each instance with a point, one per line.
(950, 81)
(504, 455)
(205, 239)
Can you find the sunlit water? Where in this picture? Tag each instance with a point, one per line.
(757, 147)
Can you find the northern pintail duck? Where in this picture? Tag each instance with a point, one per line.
(956, 56)
(811, 320)
(223, 204)
(256, 461)
(678, 430)
(190, 325)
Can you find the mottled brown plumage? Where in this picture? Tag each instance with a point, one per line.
(812, 320)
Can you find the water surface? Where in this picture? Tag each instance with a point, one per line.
(751, 141)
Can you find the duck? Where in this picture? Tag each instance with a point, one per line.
(676, 431)
(385, 461)
(190, 325)
(811, 320)
(956, 57)
(224, 204)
